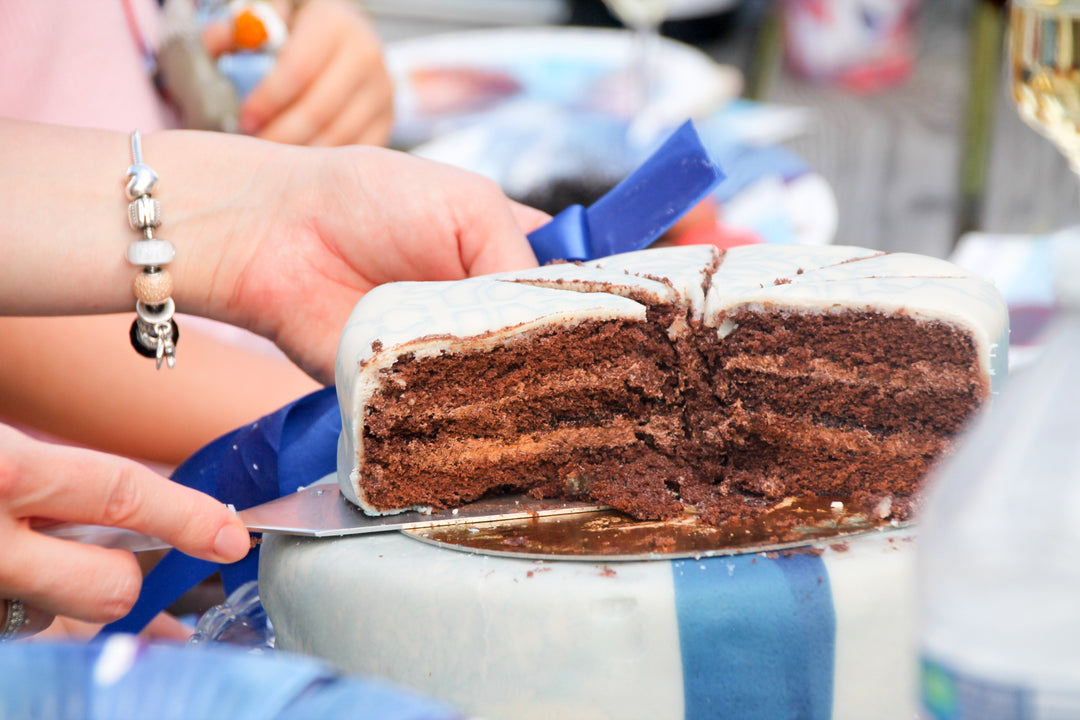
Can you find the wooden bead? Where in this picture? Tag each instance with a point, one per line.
(153, 288)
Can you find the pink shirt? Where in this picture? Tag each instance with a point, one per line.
(80, 62)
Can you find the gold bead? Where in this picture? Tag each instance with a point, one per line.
(153, 288)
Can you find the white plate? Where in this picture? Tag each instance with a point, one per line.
(444, 82)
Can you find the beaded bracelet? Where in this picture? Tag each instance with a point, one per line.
(154, 333)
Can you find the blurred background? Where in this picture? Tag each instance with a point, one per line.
(913, 160)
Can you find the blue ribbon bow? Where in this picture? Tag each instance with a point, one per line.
(297, 445)
(637, 211)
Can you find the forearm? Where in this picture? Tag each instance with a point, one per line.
(118, 402)
(63, 247)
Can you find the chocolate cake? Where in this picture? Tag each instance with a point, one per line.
(668, 381)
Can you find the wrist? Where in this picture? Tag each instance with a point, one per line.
(212, 194)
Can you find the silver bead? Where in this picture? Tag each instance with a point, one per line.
(151, 253)
(144, 212)
(154, 314)
(141, 180)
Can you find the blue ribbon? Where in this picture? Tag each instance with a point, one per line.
(637, 211)
(757, 637)
(297, 445)
(274, 456)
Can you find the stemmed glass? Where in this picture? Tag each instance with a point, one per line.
(1044, 60)
(643, 17)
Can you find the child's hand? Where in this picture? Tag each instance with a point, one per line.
(329, 85)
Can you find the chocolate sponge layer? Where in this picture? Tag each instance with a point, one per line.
(852, 405)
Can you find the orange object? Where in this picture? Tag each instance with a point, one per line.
(704, 212)
(249, 31)
(702, 226)
(720, 236)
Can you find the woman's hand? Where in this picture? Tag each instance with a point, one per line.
(329, 85)
(42, 482)
(322, 227)
(431, 222)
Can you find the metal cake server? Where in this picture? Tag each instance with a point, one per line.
(520, 526)
(319, 510)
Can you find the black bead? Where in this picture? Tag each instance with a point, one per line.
(150, 352)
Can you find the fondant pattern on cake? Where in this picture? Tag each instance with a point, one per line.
(749, 637)
(669, 378)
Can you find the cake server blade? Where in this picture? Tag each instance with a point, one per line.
(103, 536)
(320, 511)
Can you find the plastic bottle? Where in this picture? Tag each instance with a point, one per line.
(999, 554)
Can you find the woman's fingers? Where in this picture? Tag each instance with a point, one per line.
(167, 627)
(365, 118)
(528, 218)
(43, 480)
(65, 578)
(40, 480)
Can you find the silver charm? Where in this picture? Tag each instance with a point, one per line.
(165, 347)
(155, 340)
(141, 178)
(152, 315)
(144, 213)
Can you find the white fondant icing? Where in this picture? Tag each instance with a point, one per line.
(583, 279)
(514, 639)
(751, 267)
(685, 268)
(871, 684)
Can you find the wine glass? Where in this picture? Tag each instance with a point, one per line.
(1044, 60)
(643, 17)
